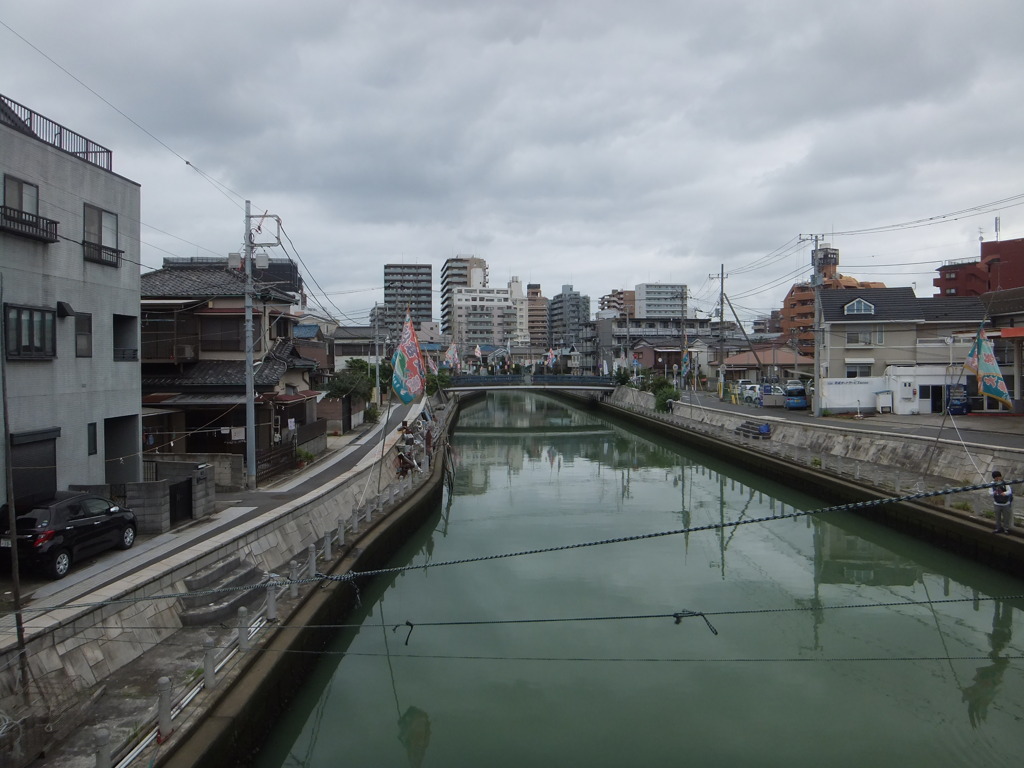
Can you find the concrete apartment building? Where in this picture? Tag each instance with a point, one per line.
(69, 280)
(568, 312)
(623, 303)
(537, 316)
(408, 286)
(656, 300)
(489, 316)
(459, 272)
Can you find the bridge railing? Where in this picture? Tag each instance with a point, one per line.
(533, 380)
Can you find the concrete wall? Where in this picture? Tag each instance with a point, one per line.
(890, 462)
(227, 469)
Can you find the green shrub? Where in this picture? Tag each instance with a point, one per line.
(371, 414)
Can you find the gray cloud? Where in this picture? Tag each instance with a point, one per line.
(591, 143)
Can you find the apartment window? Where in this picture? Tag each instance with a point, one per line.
(21, 196)
(858, 338)
(99, 240)
(83, 335)
(858, 370)
(951, 291)
(31, 333)
(91, 438)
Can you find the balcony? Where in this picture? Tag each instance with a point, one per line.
(126, 355)
(27, 225)
(102, 254)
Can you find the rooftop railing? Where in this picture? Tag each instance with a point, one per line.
(23, 119)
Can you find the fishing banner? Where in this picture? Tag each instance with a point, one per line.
(409, 378)
(981, 361)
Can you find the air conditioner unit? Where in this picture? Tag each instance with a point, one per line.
(184, 352)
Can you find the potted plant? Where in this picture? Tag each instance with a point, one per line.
(303, 457)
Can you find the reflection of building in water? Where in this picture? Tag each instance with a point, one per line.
(845, 558)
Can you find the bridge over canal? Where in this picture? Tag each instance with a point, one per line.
(531, 382)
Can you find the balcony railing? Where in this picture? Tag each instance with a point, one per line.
(28, 225)
(25, 120)
(126, 355)
(102, 254)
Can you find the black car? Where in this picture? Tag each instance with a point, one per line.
(72, 526)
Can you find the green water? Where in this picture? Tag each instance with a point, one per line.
(817, 645)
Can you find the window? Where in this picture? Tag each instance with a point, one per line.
(19, 213)
(83, 335)
(859, 307)
(951, 291)
(227, 334)
(91, 438)
(99, 240)
(21, 196)
(865, 337)
(31, 333)
(858, 370)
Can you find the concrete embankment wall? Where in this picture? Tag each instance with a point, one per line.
(75, 648)
(852, 466)
(943, 461)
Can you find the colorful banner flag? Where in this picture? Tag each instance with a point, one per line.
(409, 378)
(477, 351)
(552, 358)
(451, 357)
(981, 361)
(686, 365)
(432, 365)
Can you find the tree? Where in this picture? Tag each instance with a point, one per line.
(357, 379)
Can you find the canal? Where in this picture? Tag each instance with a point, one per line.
(765, 637)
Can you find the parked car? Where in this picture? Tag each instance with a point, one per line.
(72, 526)
(749, 393)
(796, 398)
(794, 383)
(758, 391)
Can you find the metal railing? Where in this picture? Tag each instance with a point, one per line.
(55, 134)
(28, 224)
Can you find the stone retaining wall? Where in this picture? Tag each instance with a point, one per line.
(888, 462)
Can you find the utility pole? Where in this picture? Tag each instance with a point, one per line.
(250, 374)
(376, 355)
(721, 331)
(721, 336)
(250, 371)
(19, 623)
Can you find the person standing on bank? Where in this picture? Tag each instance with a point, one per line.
(1002, 500)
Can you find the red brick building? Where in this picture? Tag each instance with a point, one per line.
(1000, 267)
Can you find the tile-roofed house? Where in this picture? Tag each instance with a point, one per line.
(194, 362)
(862, 331)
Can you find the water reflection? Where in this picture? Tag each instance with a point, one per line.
(881, 662)
(987, 679)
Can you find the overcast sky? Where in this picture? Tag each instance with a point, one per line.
(594, 143)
